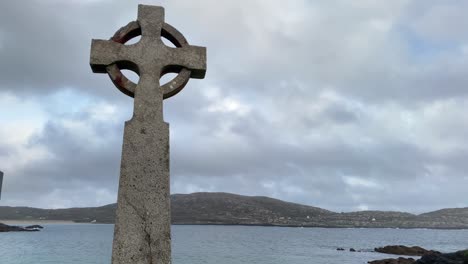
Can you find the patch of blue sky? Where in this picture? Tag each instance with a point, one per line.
(66, 101)
(38, 110)
(423, 49)
(15, 109)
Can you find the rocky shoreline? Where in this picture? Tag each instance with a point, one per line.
(427, 256)
(31, 228)
(405, 251)
(459, 257)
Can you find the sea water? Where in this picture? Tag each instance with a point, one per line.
(92, 244)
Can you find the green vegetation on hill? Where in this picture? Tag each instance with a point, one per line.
(232, 209)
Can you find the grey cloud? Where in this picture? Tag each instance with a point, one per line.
(55, 45)
(73, 162)
(45, 45)
(275, 59)
(5, 149)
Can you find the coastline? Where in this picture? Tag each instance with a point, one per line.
(67, 222)
(23, 222)
(232, 209)
(324, 227)
(35, 222)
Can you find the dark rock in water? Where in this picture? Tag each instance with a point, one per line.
(352, 250)
(34, 227)
(404, 250)
(459, 257)
(340, 249)
(394, 261)
(7, 228)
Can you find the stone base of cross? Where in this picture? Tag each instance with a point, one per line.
(142, 233)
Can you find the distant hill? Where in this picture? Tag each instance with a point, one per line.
(226, 208)
(103, 214)
(232, 209)
(453, 217)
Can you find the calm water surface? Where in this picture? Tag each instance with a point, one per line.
(91, 244)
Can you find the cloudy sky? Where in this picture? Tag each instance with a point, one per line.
(345, 105)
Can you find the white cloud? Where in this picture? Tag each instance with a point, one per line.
(363, 207)
(21, 119)
(361, 182)
(228, 105)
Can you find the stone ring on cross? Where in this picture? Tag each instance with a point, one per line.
(126, 86)
(150, 58)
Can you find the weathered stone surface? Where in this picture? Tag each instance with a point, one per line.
(404, 250)
(142, 232)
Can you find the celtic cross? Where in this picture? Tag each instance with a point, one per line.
(142, 231)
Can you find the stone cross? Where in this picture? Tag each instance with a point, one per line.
(142, 230)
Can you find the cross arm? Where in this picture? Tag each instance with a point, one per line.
(104, 53)
(191, 57)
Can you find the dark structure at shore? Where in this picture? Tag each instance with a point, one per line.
(8, 228)
(1, 183)
(427, 256)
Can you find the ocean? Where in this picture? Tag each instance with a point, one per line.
(92, 243)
